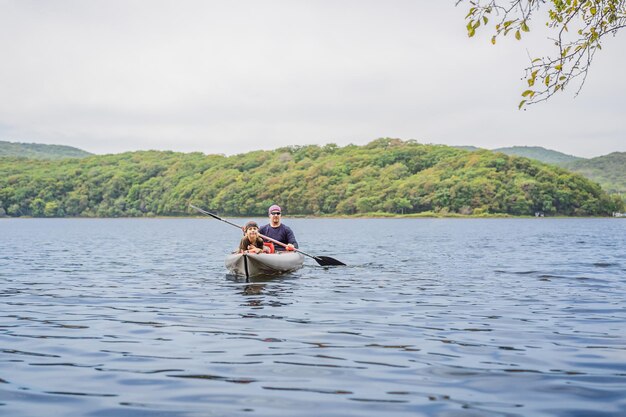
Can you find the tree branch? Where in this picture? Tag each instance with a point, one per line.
(580, 27)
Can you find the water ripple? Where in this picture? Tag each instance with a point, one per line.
(137, 318)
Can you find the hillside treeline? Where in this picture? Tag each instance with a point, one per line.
(385, 176)
(608, 170)
(39, 151)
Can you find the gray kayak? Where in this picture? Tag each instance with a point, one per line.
(253, 265)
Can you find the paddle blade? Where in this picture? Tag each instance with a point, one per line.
(328, 261)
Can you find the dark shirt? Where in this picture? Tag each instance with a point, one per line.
(243, 245)
(281, 233)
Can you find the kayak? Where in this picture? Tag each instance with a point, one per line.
(253, 265)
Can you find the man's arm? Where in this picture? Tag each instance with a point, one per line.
(291, 238)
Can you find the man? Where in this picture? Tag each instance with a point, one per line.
(278, 231)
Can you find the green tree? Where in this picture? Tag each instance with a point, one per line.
(37, 207)
(577, 29)
(14, 210)
(52, 209)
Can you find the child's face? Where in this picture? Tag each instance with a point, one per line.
(252, 233)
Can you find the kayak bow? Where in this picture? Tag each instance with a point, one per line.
(254, 265)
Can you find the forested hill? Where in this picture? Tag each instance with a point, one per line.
(608, 170)
(539, 153)
(385, 176)
(40, 151)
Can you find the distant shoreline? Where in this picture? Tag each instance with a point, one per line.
(337, 217)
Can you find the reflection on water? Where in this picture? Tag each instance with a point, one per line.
(462, 318)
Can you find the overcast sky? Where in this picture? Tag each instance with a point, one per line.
(110, 76)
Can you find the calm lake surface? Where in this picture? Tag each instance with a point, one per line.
(431, 317)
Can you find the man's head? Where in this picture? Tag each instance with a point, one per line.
(275, 212)
(274, 208)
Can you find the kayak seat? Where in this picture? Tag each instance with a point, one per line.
(269, 245)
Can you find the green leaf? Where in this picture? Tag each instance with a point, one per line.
(528, 93)
(518, 35)
(525, 27)
(521, 103)
(493, 40)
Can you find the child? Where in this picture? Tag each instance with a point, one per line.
(251, 242)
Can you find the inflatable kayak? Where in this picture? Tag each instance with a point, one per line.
(254, 265)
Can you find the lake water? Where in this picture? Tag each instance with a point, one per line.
(431, 317)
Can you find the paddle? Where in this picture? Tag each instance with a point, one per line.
(322, 260)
